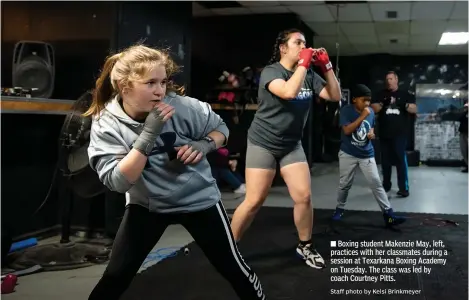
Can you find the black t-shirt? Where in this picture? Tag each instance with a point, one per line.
(393, 118)
(278, 124)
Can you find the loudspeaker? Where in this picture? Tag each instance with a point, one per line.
(34, 67)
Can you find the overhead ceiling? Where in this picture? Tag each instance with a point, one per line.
(363, 27)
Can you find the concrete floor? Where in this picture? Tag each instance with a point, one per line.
(433, 190)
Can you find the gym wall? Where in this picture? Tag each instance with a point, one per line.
(82, 34)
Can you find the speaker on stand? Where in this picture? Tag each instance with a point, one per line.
(34, 68)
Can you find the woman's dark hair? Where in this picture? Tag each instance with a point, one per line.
(282, 38)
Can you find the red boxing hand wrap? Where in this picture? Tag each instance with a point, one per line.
(321, 59)
(327, 67)
(306, 55)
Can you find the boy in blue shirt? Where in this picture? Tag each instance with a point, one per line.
(356, 150)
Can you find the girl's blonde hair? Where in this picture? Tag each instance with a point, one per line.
(122, 68)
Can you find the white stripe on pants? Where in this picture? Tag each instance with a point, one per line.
(347, 167)
(234, 248)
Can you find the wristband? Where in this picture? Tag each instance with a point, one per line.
(327, 67)
(211, 142)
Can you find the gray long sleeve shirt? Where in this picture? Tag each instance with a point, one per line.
(166, 185)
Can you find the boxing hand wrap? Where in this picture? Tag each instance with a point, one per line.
(204, 146)
(153, 125)
(306, 55)
(321, 59)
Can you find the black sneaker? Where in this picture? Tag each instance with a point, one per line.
(310, 256)
(390, 219)
(403, 193)
(387, 187)
(338, 213)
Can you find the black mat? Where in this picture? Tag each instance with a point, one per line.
(269, 247)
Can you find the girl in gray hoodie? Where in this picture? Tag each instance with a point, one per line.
(150, 142)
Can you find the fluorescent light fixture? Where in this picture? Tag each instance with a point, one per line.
(443, 91)
(454, 38)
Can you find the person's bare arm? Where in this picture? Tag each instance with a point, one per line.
(289, 89)
(218, 137)
(411, 108)
(331, 92)
(377, 107)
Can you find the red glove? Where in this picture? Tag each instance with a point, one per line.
(321, 59)
(305, 57)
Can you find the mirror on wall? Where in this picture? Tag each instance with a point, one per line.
(439, 102)
(440, 107)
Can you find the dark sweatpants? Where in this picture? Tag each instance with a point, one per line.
(140, 230)
(394, 150)
(464, 146)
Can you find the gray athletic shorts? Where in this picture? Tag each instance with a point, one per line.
(260, 158)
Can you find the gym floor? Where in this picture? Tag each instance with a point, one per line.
(433, 190)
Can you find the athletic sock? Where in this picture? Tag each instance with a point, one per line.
(304, 243)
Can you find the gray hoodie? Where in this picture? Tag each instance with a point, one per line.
(166, 185)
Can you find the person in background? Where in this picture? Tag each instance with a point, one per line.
(150, 142)
(357, 121)
(224, 168)
(463, 141)
(394, 107)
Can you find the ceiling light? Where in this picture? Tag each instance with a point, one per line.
(454, 38)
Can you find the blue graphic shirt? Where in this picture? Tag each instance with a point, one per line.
(357, 144)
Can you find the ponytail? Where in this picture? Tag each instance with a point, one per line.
(282, 39)
(276, 53)
(104, 89)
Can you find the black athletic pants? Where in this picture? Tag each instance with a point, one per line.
(140, 230)
(394, 150)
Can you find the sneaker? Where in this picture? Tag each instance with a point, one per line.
(338, 213)
(310, 256)
(390, 219)
(387, 187)
(403, 193)
(241, 189)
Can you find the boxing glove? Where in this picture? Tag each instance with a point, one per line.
(230, 96)
(233, 80)
(321, 59)
(221, 96)
(306, 56)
